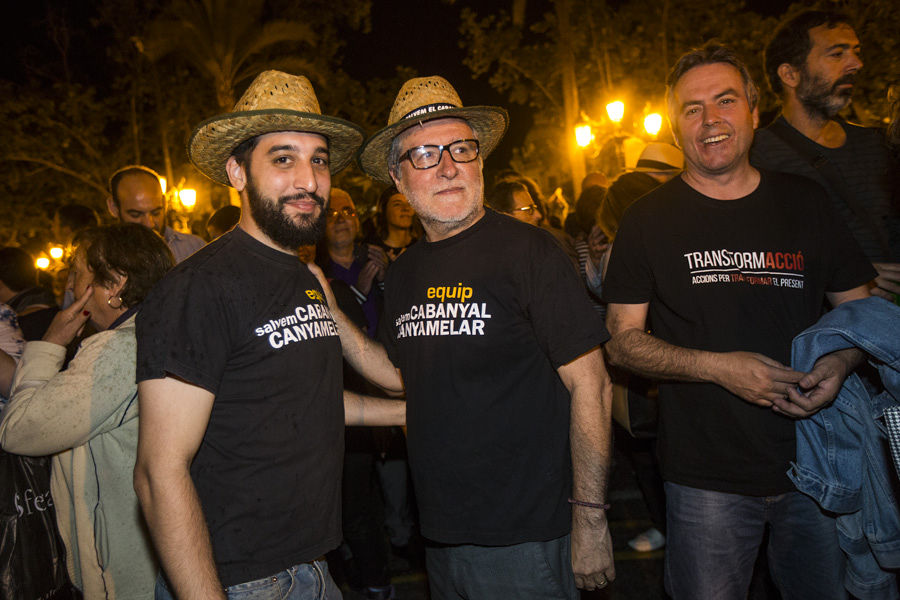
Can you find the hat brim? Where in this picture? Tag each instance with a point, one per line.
(213, 140)
(488, 122)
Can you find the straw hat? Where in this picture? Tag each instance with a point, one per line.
(659, 156)
(424, 99)
(275, 101)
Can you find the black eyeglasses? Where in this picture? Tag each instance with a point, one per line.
(426, 157)
(347, 212)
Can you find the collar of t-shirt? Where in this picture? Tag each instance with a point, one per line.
(489, 215)
(124, 316)
(253, 245)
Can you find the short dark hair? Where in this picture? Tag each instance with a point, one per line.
(586, 207)
(242, 151)
(712, 52)
(501, 196)
(17, 269)
(791, 42)
(117, 177)
(77, 216)
(129, 250)
(225, 218)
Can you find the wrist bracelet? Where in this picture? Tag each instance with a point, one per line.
(589, 504)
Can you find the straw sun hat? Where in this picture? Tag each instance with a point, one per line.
(424, 99)
(275, 101)
(660, 157)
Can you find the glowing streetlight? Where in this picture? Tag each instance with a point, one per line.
(162, 184)
(188, 198)
(653, 123)
(583, 135)
(42, 263)
(56, 252)
(615, 110)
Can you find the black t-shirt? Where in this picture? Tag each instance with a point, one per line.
(746, 274)
(864, 164)
(478, 324)
(250, 324)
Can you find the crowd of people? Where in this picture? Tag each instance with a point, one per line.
(222, 415)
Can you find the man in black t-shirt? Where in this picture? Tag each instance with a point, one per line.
(812, 63)
(498, 348)
(239, 365)
(730, 263)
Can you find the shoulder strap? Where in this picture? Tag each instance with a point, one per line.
(818, 161)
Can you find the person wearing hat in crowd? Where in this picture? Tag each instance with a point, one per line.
(490, 332)
(136, 196)
(239, 366)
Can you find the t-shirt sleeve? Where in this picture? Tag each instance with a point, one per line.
(564, 321)
(183, 330)
(629, 278)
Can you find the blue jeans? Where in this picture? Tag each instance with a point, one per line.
(307, 581)
(527, 571)
(713, 539)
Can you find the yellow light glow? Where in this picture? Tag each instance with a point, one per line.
(162, 184)
(583, 135)
(615, 110)
(42, 263)
(188, 198)
(653, 123)
(56, 252)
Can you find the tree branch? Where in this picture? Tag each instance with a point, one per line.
(61, 169)
(524, 73)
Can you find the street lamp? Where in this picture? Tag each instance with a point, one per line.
(584, 135)
(653, 123)
(56, 252)
(615, 110)
(188, 198)
(42, 263)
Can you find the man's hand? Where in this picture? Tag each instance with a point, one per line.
(888, 281)
(69, 322)
(819, 387)
(592, 554)
(753, 377)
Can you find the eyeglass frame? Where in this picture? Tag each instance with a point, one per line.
(530, 209)
(441, 148)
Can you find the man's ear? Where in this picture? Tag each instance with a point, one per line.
(755, 114)
(236, 174)
(111, 206)
(789, 76)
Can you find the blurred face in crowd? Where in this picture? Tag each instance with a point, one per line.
(342, 224)
(524, 208)
(449, 196)
(713, 120)
(287, 186)
(827, 77)
(398, 212)
(141, 201)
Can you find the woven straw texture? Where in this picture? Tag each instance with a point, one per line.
(275, 101)
(424, 99)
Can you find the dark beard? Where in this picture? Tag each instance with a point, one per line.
(823, 100)
(277, 226)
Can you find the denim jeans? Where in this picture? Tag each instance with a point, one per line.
(713, 540)
(307, 581)
(527, 571)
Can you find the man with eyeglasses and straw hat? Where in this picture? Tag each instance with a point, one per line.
(508, 400)
(239, 367)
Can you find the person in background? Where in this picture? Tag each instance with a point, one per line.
(223, 221)
(394, 224)
(87, 415)
(136, 196)
(35, 305)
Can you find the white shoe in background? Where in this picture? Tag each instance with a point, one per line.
(650, 540)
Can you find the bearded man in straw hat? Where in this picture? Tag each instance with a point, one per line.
(498, 348)
(239, 366)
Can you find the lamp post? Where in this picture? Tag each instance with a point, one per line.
(653, 123)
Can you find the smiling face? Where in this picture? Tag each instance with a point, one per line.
(341, 229)
(398, 212)
(449, 196)
(712, 119)
(829, 73)
(286, 183)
